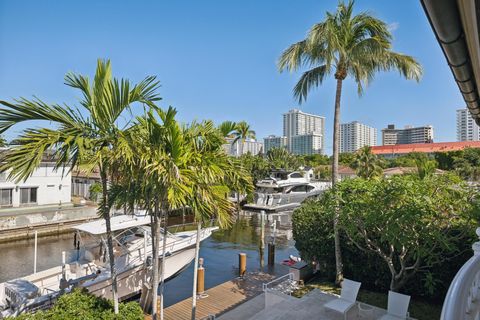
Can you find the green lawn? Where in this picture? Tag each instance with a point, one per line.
(418, 309)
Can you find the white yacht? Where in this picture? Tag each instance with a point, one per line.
(284, 191)
(88, 265)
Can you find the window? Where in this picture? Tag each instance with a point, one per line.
(5, 197)
(28, 195)
(299, 189)
(296, 175)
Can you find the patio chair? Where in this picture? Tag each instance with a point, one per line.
(397, 306)
(348, 297)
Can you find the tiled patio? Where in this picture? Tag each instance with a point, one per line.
(311, 306)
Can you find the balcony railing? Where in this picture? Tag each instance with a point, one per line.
(463, 296)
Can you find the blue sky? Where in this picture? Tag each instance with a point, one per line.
(216, 59)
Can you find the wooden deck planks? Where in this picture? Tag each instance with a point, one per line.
(220, 298)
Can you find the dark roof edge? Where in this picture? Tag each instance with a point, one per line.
(445, 20)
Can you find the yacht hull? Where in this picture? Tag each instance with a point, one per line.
(130, 282)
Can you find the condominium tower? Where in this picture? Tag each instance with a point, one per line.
(467, 129)
(249, 146)
(304, 132)
(407, 135)
(273, 141)
(355, 135)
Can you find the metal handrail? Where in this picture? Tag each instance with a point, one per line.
(277, 280)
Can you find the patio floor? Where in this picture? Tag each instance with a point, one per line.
(310, 306)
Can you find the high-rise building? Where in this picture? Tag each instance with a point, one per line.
(467, 129)
(408, 135)
(306, 144)
(310, 126)
(273, 141)
(355, 135)
(249, 146)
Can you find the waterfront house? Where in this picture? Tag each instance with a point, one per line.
(46, 187)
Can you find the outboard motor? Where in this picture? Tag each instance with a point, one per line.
(18, 292)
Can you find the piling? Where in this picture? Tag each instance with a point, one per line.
(242, 264)
(200, 278)
(271, 254)
(35, 253)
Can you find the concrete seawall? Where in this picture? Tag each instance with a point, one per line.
(17, 226)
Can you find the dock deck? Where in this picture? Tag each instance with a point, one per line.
(219, 299)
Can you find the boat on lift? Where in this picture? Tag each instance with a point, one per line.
(87, 266)
(284, 191)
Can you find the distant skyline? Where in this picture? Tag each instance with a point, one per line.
(217, 59)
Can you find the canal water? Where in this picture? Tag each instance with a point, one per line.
(220, 253)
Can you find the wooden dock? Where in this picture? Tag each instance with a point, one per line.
(219, 299)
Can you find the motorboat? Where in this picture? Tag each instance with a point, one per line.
(284, 196)
(87, 266)
(280, 178)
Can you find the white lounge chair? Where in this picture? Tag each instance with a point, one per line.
(348, 297)
(397, 306)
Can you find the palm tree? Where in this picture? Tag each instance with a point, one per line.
(344, 45)
(242, 132)
(367, 164)
(280, 158)
(227, 128)
(215, 174)
(86, 136)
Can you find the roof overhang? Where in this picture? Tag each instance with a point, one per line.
(455, 24)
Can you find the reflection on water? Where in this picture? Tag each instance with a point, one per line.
(220, 252)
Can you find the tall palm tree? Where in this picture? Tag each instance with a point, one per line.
(87, 136)
(242, 132)
(367, 164)
(344, 44)
(214, 174)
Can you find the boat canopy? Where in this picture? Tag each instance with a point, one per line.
(122, 222)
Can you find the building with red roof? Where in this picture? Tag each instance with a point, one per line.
(396, 150)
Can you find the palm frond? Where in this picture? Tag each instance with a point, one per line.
(310, 79)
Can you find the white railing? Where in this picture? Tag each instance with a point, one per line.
(283, 283)
(463, 296)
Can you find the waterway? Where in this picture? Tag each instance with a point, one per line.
(220, 253)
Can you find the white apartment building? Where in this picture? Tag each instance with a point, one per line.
(273, 141)
(310, 126)
(46, 186)
(307, 144)
(355, 135)
(407, 135)
(249, 146)
(467, 129)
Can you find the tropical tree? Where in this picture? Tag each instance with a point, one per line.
(344, 44)
(87, 136)
(280, 158)
(425, 167)
(242, 132)
(366, 164)
(215, 174)
(227, 128)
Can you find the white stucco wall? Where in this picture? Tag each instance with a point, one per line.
(53, 187)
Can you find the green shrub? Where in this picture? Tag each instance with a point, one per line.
(432, 219)
(84, 306)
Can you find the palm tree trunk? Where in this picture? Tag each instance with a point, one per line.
(162, 273)
(195, 271)
(111, 256)
(155, 231)
(336, 142)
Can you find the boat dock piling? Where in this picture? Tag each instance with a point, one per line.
(271, 253)
(200, 279)
(242, 264)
